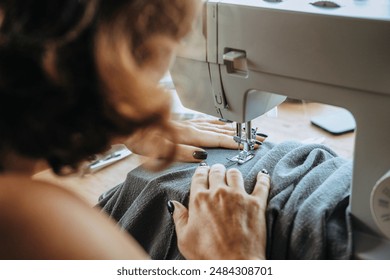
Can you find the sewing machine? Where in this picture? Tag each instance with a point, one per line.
(245, 56)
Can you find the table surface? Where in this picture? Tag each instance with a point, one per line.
(291, 122)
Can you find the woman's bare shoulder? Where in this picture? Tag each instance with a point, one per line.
(24, 188)
(43, 221)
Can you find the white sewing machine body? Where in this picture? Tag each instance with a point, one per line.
(246, 56)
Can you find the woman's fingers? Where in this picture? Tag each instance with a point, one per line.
(261, 189)
(187, 153)
(199, 183)
(208, 120)
(190, 153)
(203, 133)
(234, 179)
(217, 177)
(214, 128)
(180, 215)
(200, 179)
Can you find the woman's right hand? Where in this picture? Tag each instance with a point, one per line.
(222, 221)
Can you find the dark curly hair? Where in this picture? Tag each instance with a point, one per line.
(69, 75)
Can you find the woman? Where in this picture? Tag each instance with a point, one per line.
(77, 76)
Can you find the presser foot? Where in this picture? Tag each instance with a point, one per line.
(240, 159)
(245, 140)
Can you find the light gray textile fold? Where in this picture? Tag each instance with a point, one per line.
(307, 216)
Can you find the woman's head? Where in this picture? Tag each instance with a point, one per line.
(76, 74)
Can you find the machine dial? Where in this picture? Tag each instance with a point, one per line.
(380, 204)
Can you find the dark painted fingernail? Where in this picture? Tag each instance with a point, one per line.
(200, 155)
(261, 134)
(171, 207)
(258, 142)
(264, 171)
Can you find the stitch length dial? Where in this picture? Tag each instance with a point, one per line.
(380, 204)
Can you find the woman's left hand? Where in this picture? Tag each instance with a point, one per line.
(192, 135)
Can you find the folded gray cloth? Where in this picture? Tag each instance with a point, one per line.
(307, 216)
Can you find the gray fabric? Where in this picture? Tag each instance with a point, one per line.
(307, 215)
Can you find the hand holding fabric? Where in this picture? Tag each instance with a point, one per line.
(222, 221)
